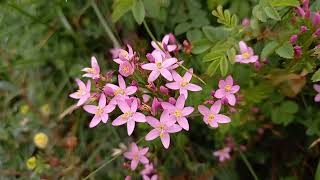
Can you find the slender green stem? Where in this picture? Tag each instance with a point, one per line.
(105, 25)
(159, 45)
(245, 160)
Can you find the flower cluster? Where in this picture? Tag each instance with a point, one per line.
(159, 103)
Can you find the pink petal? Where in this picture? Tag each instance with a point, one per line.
(134, 147)
(146, 98)
(183, 122)
(80, 84)
(118, 121)
(165, 139)
(104, 118)
(180, 101)
(166, 74)
(193, 87)
(144, 160)
(165, 39)
(317, 98)
(157, 54)
(130, 127)
(154, 133)
(139, 117)
(169, 62)
(164, 116)
(94, 64)
(95, 121)
(118, 61)
(144, 151)
(154, 45)
(131, 90)
(188, 75)
(171, 47)
(229, 80)
(187, 111)
(220, 93)
(123, 106)
(134, 105)
(128, 155)
(174, 128)
(173, 85)
(130, 49)
(122, 83)
(134, 164)
(222, 118)
(149, 66)
(167, 106)
(239, 58)
(253, 59)
(90, 109)
(215, 108)
(214, 124)
(235, 89)
(222, 84)
(102, 101)
(317, 87)
(153, 75)
(243, 47)
(184, 92)
(176, 76)
(88, 86)
(231, 99)
(82, 100)
(112, 86)
(109, 108)
(74, 95)
(203, 110)
(152, 121)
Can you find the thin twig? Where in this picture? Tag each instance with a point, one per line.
(245, 160)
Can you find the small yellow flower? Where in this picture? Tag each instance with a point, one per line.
(31, 163)
(45, 109)
(24, 109)
(40, 140)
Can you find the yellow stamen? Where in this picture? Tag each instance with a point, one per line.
(210, 117)
(158, 64)
(178, 113)
(99, 111)
(118, 91)
(136, 157)
(246, 55)
(126, 115)
(227, 88)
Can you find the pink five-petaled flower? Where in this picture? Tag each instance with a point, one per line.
(211, 116)
(136, 155)
(162, 128)
(247, 54)
(161, 66)
(120, 92)
(94, 71)
(83, 94)
(100, 112)
(227, 90)
(168, 43)
(222, 154)
(124, 55)
(129, 116)
(178, 112)
(317, 88)
(183, 83)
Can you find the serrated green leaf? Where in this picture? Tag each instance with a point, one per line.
(316, 76)
(284, 3)
(224, 64)
(182, 28)
(269, 49)
(138, 11)
(285, 51)
(201, 46)
(120, 8)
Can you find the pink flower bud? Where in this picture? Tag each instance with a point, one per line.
(255, 109)
(172, 101)
(155, 106)
(257, 65)
(316, 19)
(134, 83)
(212, 93)
(297, 51)
(303, 29)
(164, 90)
(145, 98)
(317, 33)
(246, 22)
(108, 75)
(293, 39)
(232, 110)
(150, 57)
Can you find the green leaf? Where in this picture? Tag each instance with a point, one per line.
(194, 34)
(138, 11)
(270, 10)
(284, 3)
(213, 55)
(269, 49)
(285, 51)
(224, 17)
(213, 68)
(215, 33)
(316, 76)
(182, 28)
(289, 107)
(201, 46)
(120, 8)
(259, 13)
(152, 8)
(231, 53)
(224, 63)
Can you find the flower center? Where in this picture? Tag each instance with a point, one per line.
(161, 127)
(119, 91)
(125, 69)
(92, 71)
(99, 111)
(158, 64)
(211, 117)
(126, 115)
(81, 92)
(184, 82)
(246, 55)
(136, 157)
(124, 54)
(178, 113)
(227, 88)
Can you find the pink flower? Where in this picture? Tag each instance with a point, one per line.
(183, 83)
(145, 98)
(160, 66)
(297, 51)
(136, 155)
(126, 69)
(178, 112)
(127, 178)
(211, 116)
(164, 90)
(83, 94)
(115, 52)
(246, 22)
(153, 177)
(129, 116)
(94, 71)
(223, 154)
(317, 88)
(148, 169)
(124, 55)
(303, 29)
(227, 90)
(247, 54)
(316, 19)
(162, 128)
(119, 92)
(293, 39)
(168, 43)
(100, 112)
(155, 106)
